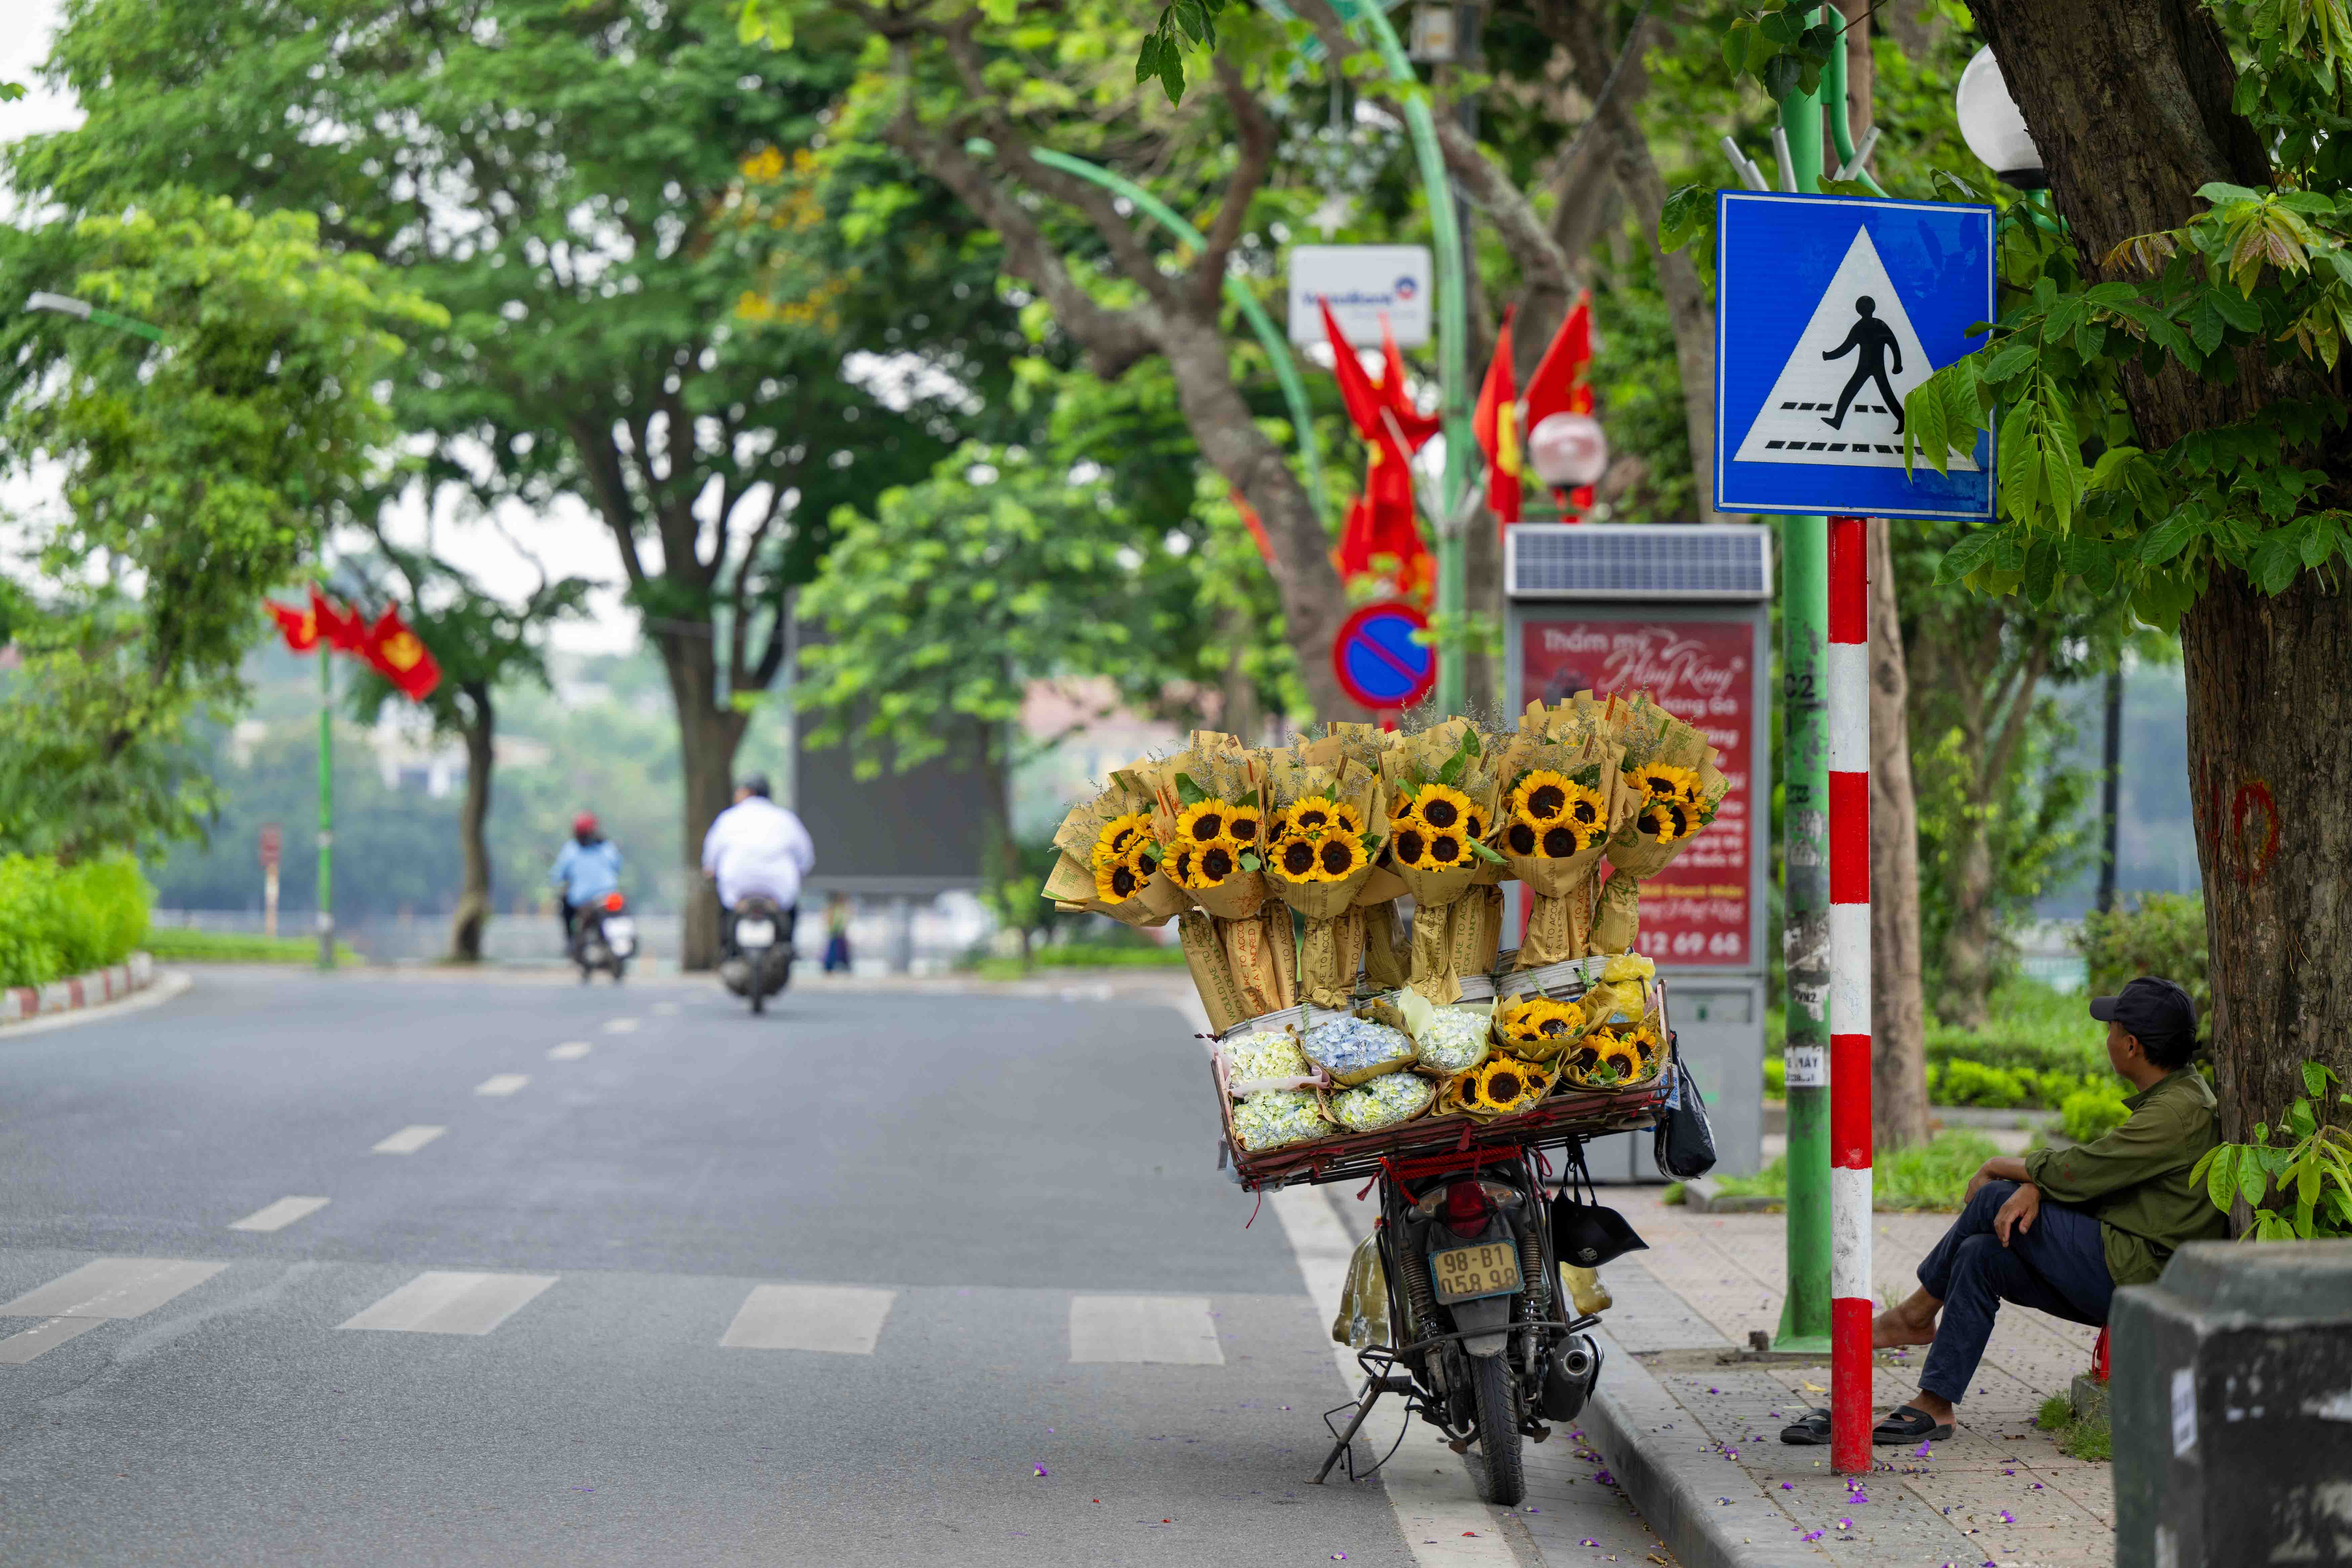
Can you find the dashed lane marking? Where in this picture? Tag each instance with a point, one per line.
(1174, 1329)
(840, 1319)
(280, 1215)
(447, 1302)
(408, 1140)
(502, 1083)
(108, 1288)
(568, 1051)
(620, 1025)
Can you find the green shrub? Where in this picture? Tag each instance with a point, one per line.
(2164, 935)
(59, 920)
(2093, 1111)
(1776, 1075)
(1997, 1089)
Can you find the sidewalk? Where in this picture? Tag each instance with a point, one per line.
(1697, 1441)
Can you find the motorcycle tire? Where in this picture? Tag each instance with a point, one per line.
(1501, 1470)
(619, 969)
(759, 987)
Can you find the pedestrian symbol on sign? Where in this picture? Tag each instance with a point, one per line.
(1819, 410)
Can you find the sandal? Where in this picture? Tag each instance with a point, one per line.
(1810, 1430)
(1908, 1424)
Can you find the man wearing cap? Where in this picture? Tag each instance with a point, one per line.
(2059, 1230)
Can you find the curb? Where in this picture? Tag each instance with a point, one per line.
(1702, 1195)
(1673, 1485)
(18, 1002)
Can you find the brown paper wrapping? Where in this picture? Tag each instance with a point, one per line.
(1473, 933)
(1072, 885)
(1212, 973)
(1649, 734)
(1388, 951)
(1619, 918)
(1419, 757)
(1220, 767)
(1329, 953)
(1262, 961)
(1331, 948)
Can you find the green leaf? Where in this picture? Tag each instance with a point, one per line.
(2315, 1080)
(1147, 57)
(1484, 853)
(1967, 555)
(2170, 537)
(1249, 862)
(1187, 791)
(2252, 1182)
(1688, 215)
(2235, 308)
(2222, 1177)
(1171, 73)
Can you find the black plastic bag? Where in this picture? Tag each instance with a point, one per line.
(1685, 1144)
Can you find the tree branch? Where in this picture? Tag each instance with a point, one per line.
(1258, 147)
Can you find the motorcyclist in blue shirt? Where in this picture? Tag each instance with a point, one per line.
(587, 867)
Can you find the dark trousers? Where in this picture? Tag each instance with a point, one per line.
(571, 921)
(2058, 1268)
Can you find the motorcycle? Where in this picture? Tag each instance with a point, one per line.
(760, 964)
(604, 937)
(1484, 1346)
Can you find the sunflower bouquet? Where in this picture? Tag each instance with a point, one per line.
(1499, 1087)
(1563, 797)
(1678, 788)
(1442, 786)
(1621, 1044)
(1321, 856)
(1109, 860)
(1538, 1029)
(1209, 821)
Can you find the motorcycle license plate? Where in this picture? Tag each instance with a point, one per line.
(755, 934)
(1467, 1273)
(620, 932)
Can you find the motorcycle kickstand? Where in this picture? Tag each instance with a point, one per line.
(1374, 1387)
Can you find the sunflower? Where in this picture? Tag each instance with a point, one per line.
(1144, 857)
(1623, 1056)
(1522, 839)
(1119, 836)
(1312, 815)
(1664, 781)
(1213, 862)
(1664, 820)
(1475, 825)
(1295, 859)
(1559, 843)
(1241, 825)
(1277, 826)
(1538, 1027)
(1584, 810)
(1179, 864)
(1440, 807)
(1502, 1084)
(1346, 819)
(1409, 842)
(1339, 858)
(1118, 881)
(1542, 796)
(1446, 851)
(1199, 824)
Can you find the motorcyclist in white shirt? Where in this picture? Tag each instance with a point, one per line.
(756, 847)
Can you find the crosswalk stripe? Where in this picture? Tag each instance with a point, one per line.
(408, 1140)
(448, 1302)
(621, 1026)
(112, 1288)
(842, 1318)
(1168, 1329)
(502, 1083)
(280, 1215)
(665, 1009)
(18, 1349)
(568, 1051)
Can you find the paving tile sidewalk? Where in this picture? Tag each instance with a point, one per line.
(1998, 1493)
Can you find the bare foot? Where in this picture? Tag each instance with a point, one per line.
(1895, 1326)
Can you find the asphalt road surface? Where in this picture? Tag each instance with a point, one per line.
(627, 1276)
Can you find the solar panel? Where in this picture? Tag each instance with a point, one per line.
(1651, 561)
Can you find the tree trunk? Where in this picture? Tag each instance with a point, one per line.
(1967, 944)
(708, 734)
(474, 901)
(2111, 759)
(2270, 763)
(1898, 1025)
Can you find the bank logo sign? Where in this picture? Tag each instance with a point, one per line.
(1362, 284)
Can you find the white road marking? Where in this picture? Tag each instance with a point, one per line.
(502, 1083)
(439, 1302)
(568, 1051)
(841, 1319)
(665, 1009)
(18, 1349)
(408, 1140)
(280, 1215)
(112, 1288)
(1169, 1329)
(620, 1025)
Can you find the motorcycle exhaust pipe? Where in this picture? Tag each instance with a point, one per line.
(1567, 1382)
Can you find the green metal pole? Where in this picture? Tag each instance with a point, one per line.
(1453, 362)
(1237, 290)
(1805, 864)
(326, 810)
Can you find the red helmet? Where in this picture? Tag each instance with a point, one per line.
(584, 823)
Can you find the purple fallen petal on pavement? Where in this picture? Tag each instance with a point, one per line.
(1041, 1470)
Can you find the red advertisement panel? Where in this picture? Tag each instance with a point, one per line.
(1697, 911)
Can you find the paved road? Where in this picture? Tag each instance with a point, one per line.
(886, 1277)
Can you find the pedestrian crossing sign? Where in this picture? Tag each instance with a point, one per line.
(1828, 311)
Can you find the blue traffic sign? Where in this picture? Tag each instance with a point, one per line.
(1829, 310)
(1377, 660)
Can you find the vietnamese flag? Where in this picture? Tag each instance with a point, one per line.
(1557, 385)
(1497, 425)
(1418, 428)
(395, 654)
(299, 628)
(345, 630)
(1356, 389)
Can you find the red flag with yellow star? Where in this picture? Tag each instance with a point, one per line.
(1495, 422)
(299, 628)
(395, 653)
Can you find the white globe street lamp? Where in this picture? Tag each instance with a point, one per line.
(1993, 127)
(1569, 450)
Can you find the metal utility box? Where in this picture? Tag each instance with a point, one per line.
(1683, 612)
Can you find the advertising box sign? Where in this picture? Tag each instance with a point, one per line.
(1363, 283)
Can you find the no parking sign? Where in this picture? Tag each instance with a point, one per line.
(1377, 660)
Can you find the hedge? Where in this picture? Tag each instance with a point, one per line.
(58, 921)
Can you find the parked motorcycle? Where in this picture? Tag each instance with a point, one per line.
(1483, 1344)
(604, 937)
(758, 963)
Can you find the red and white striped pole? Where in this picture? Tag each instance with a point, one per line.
(1848, 701)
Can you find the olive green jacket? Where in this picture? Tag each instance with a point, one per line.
(2135, 1179)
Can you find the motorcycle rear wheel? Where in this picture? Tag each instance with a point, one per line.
(759, 984)
(1501, 1472)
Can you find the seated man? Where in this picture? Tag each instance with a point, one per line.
(2060, 1230)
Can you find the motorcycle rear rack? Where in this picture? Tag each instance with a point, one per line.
(1360, 1156)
